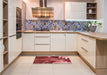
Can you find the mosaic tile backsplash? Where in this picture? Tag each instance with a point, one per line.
(48, 25)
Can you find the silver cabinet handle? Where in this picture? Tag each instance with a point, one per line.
(85, 40)
(43, 36)
(84, 49)
(42, 44)
(12, 35)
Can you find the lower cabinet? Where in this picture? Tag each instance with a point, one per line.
(42, 47)
(12, 48)
(1, 61)
(1, 55)
(49, 42)
(71, 42)
(87, 49)
(58, 41)
(42, 42)
(19, 45)
(28, 42)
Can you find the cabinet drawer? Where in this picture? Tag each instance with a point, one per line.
(84, 51)
(42, 34)
(42, 40)
(84, 40)
(42, 47)
(58, 35)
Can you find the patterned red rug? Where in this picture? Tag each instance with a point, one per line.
(51, 60)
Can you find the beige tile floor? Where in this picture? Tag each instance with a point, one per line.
(24, 66)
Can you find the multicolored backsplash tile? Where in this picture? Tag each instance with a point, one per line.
(48, 25)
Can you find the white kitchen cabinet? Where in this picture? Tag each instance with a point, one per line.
(12, 17)
(28, 42)
(1, 61)
(71, 42)
(1, 55)
(42, 42)
(1, 16)
(58, 7)
(1, 29)
(92, 52)
(12, 48)
(75, 10)
(58, 41)
(42, 47)
(19, 45)
(1, 45)
(87, 48)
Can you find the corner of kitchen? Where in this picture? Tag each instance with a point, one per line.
(53, 37)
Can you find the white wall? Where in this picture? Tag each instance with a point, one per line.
(29, 5)
(100, 13)
(23, 15)
(100, 9)
(19, 3)
(57, 4)
(105, 16)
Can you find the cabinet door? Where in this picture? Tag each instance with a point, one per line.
(1, 62)
(71, 42)
(58, 9)
(1, 10)
(28, 42)
(1, 55)
(92, 52)
(12, 17)
(12, 48)
(58, 42)
(19, 45)
(67, 10)
(75, 10)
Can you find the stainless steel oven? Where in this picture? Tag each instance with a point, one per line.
(18, 23)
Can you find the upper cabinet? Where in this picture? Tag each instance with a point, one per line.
(75, 10)
(1, 10)
(91, 10)
(12, 17)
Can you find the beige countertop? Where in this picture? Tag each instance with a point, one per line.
(96, 35)
(49, 32)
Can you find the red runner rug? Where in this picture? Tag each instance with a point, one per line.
(51, 60)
